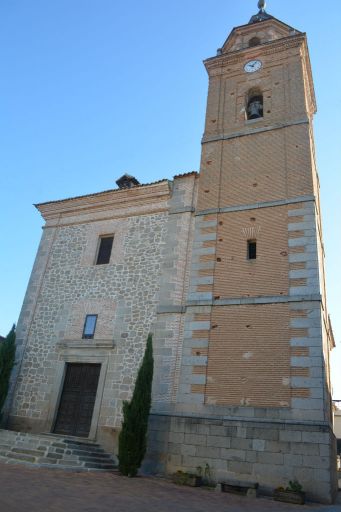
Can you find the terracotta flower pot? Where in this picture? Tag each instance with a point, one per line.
(297, 497)
(182, 478)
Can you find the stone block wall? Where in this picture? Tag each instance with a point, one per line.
(270, 453)
(28, 309)
(176, 256)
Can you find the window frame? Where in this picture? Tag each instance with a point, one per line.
(252, 242)
(89, 336)
(100, 238)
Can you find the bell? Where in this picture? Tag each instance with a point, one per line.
(255, 109)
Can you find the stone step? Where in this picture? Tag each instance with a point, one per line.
(45, 460)
(100, 466)
(91, 454)
(4, 446)
(80, 453)
(21, 456)
(70, 464)
(58, 438)
(4, 452)
(86, 448)
(26, 451)
(80, 443)
(54, 451)
(95, 460)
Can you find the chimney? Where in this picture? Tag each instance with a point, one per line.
(127, 181)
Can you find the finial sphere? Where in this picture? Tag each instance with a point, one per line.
(261, 5)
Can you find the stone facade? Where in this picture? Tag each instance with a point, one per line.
(241, 345)
(66, 285)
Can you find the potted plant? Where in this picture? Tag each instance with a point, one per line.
(292, 494)
(208, 479)
(184, 478)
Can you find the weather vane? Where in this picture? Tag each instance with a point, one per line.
(261, 5)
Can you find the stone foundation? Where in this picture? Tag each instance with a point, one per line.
(271, 453)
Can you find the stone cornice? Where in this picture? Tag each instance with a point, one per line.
(252, 131)
(221, 61)
(137, 198)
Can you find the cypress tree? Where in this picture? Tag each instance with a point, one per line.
(7, 357)
(133, 436)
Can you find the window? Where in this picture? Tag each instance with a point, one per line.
(89, 327)
(339, 446)
(254, 41)
(104, 250)
(251, 249)
(254, 108)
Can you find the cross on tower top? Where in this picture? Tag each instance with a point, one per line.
(262, 14)
(261, 5)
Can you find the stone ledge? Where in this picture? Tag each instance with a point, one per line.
(184, 209)
(256, 300)
(311, 425)
(84, 344)
(251, 131)
(255, 206)
(162, 310)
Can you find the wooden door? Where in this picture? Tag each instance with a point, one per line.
(77, 400)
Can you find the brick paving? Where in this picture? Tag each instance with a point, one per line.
(30, 489)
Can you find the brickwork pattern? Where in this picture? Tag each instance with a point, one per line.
(284, 90)
(249, 358)
(237, 276)
(236, 171)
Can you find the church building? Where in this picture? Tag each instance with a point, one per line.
(225, 267)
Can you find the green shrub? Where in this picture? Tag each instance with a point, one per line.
(133, 436)
(7, 358)
(294, 486)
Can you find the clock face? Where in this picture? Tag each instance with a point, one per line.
(252, 66)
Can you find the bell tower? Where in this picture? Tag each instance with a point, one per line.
(256, 324)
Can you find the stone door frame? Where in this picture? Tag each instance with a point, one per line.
(90, 358)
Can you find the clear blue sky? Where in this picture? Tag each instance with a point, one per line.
(91, 89)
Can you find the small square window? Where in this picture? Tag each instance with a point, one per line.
(104, 250)
(251, 249)
(89, 327)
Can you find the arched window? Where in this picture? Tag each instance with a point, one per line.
(254, 108)
(254, 41)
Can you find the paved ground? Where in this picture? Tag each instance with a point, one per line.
(26, 489)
